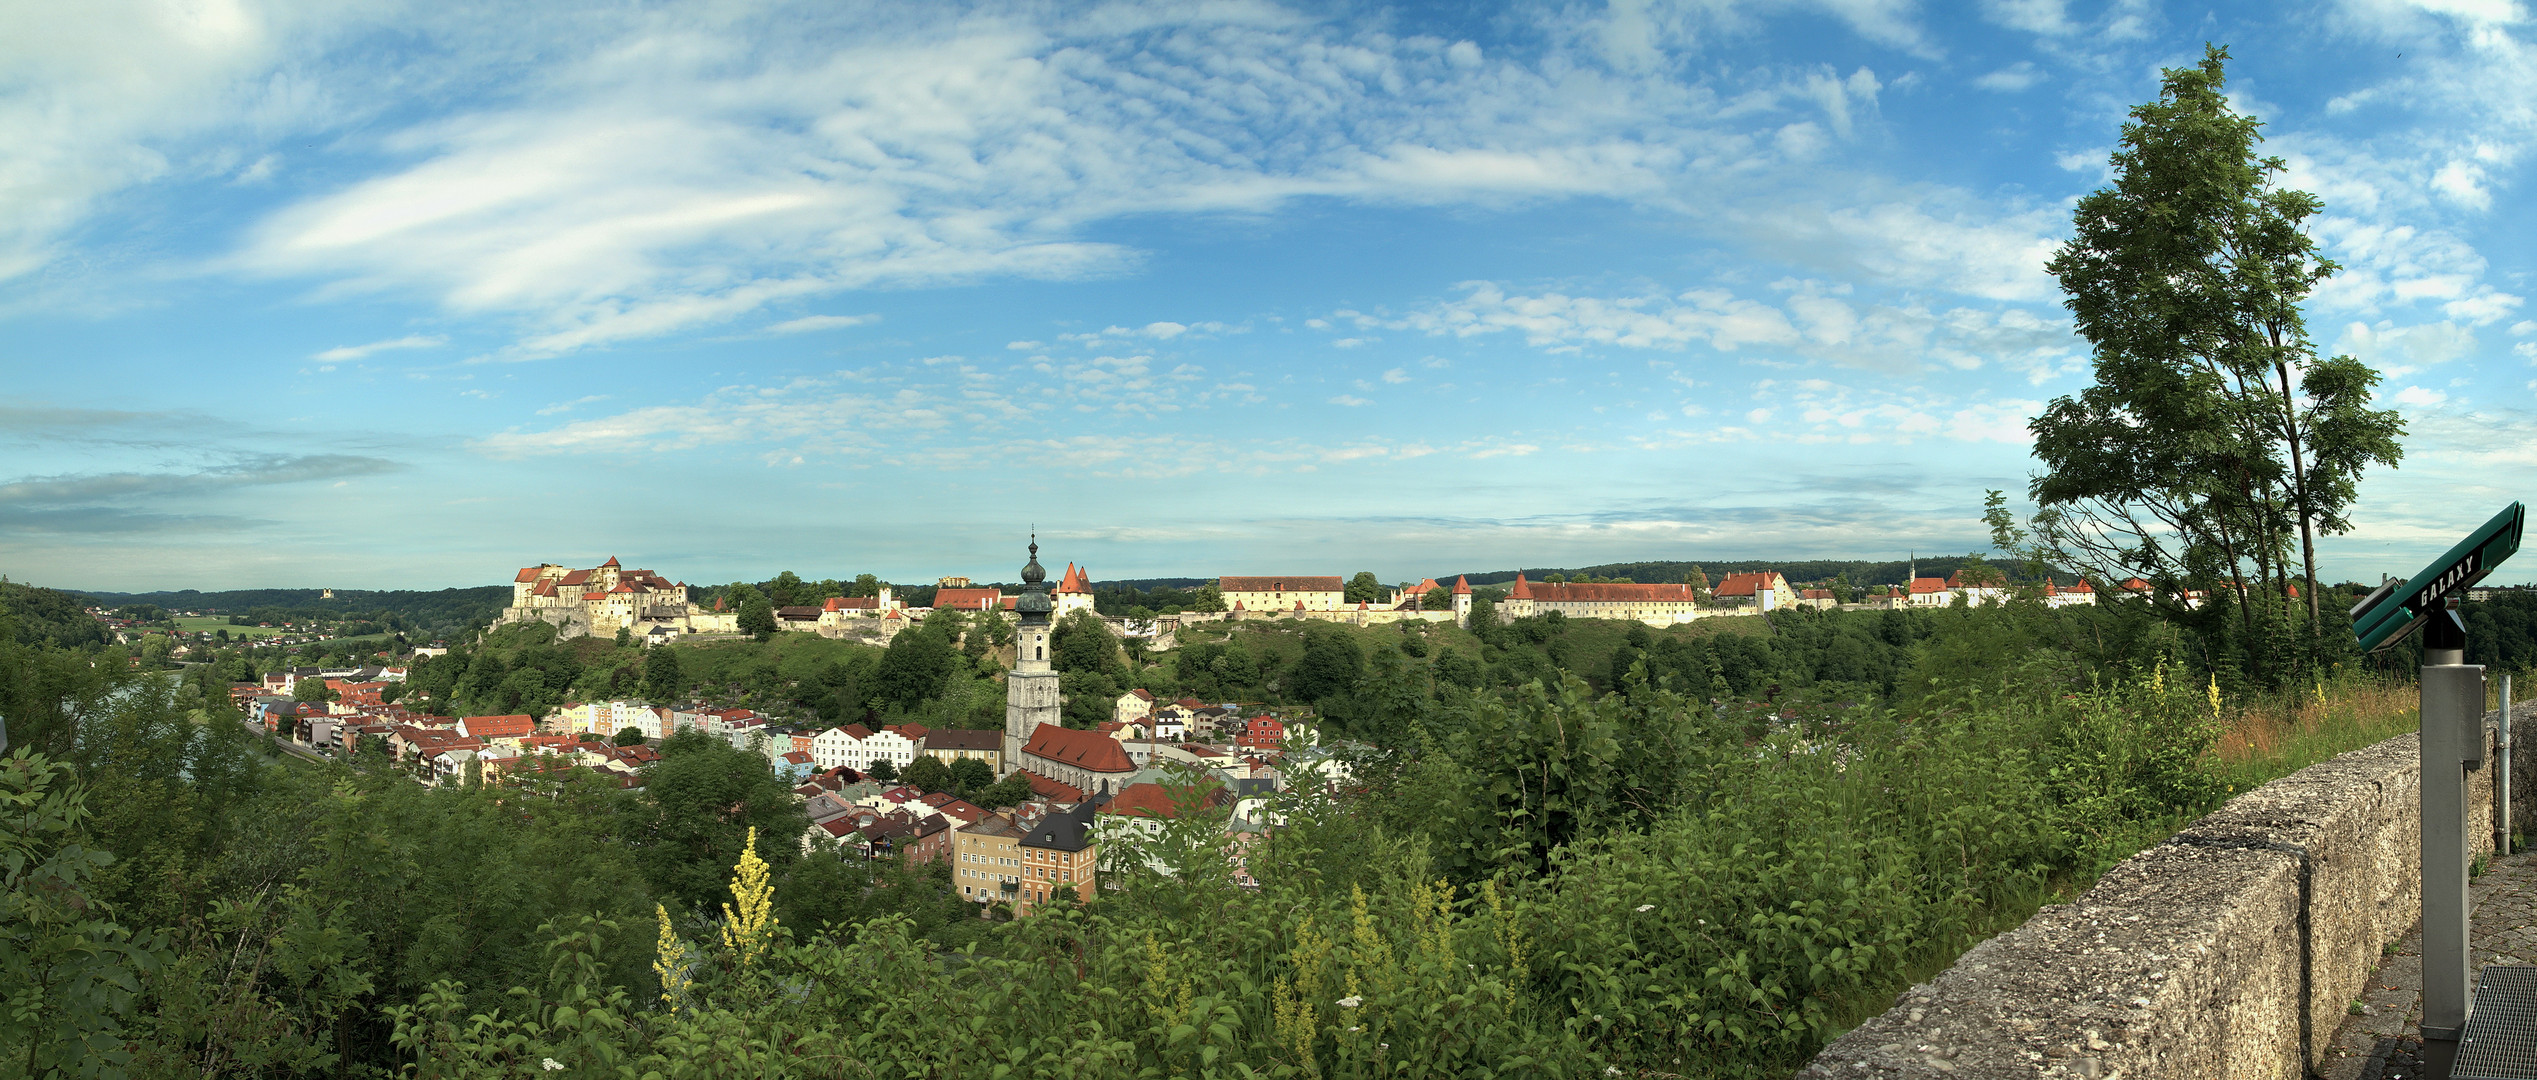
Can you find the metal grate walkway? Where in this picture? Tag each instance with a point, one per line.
(2500, 1042)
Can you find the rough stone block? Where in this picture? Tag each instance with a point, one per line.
(2232, 950)
(2183, 961)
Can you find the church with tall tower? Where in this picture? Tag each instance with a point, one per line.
(1030, 689)
(1068, 765)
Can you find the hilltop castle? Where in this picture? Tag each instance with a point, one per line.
(605, 599)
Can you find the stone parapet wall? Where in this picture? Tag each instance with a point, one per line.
(2232, 950)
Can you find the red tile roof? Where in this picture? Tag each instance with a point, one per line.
(527, 573)
(1089, 750)
(1281, 584)
(577, 577)
(499, 727)
(1075, 581)
(966, 599)
(1052, 790)
(1922, 586)
(612, 561)
(1747, 584)
(1150, 799)
(1462, 586)
(1615, 593)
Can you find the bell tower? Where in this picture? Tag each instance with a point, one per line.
(1030, 689)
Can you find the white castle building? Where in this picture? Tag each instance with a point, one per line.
(605, 599)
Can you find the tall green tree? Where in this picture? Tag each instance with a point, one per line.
(969, 776)
(662, 679)
(757, 616)
(927, 773)
(698, 804)
(2213, 440)
(1364, 588)
(784, 589)
(913, 669)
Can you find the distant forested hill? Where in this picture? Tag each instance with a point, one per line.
(1859, 571)
(50, 616)
(422, 613)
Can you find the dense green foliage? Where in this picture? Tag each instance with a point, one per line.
(420, 615)
(1567, 845)
(50, 616)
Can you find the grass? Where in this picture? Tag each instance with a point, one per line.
(204, 624)
(2271, 739)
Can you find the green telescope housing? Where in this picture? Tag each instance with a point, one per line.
(2391, 611)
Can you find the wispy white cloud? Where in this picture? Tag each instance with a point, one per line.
(356, 352)
(810, 323)
(1807, 320)
(2014, 78)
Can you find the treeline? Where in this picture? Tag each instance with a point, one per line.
(424, 615)
(942, 672)
(1566, 846)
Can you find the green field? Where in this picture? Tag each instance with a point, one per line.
(204, 624)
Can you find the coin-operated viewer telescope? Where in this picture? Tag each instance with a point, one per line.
(2452, 744)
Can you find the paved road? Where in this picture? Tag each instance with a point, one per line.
(285, 744)
(2380, 1043)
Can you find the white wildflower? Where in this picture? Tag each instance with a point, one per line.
(1611, 1070)
(1645, 908)
(1351, 1001)
(551, 1065)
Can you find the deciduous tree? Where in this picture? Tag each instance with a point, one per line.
(2214, 441)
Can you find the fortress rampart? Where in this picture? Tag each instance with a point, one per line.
(2231, 950)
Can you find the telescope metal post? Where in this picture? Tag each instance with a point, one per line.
(2452, 741)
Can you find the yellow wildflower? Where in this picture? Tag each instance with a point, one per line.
(672, 964)
(745, 931)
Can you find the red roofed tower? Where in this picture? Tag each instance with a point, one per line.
(1462, 602)
(1519, 602)
(1074, 591)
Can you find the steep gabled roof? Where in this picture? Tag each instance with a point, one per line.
(1462, 586)
(1054, 791)
(1748, 584)
(967, 599)
(963, 739)
(1074, 581)
(1062, 830)
(499, 727)
(1087, 750)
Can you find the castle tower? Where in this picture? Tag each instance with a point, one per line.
(1030, 689)
(1520, 602)
(1462, 602)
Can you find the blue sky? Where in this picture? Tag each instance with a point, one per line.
(409, 295)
